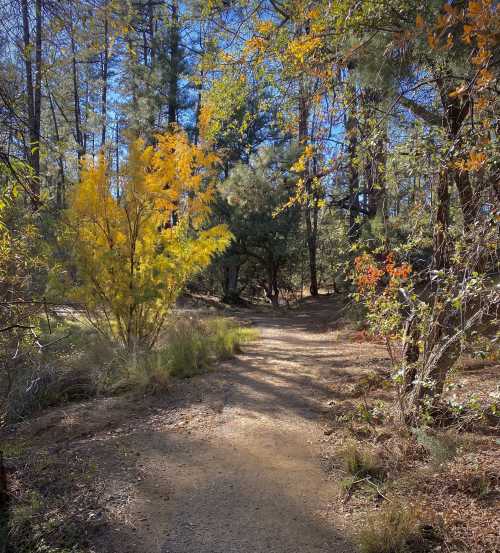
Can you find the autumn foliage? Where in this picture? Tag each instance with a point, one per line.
(368, 273)
(136, 246)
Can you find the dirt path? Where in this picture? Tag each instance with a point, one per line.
(230, 460)
(248, 480)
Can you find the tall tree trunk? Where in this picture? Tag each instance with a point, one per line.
(4, 507)
(375, 179)
(469, 202)
(133, 83)
(440, 237)
(33, 94)
(456, 111)
(425, 374)
(38, 84)
(117, 158)
(76, 99)
(196, 132)
(230, 274)
(374, 167)
(61, 182)
(104, 76)
(151, 31)
(311, 206)
(174, 58)
(199, 89)
(352, 170)
(272, 288)
(85, 135)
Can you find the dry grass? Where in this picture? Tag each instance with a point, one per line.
(441, 447)
(82, 365)
(361, 462)
(393, 529)
(190, 347)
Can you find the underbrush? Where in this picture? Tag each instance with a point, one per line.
(188, 348)
(53, 500)
(441, 447)
(395, 528)
(410, 490)
(64, 368)
(361, 463)
(76, 363)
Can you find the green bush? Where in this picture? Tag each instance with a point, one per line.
(226, 337)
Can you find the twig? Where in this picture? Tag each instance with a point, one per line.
(6, 328)
(378, 489)
(351, 487)
(47, 315)
(43, 346)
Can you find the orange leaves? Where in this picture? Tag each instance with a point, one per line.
(474, 9)
(467, 36)
(485, 78)
(368, 275)
(450, 10)
(432, 40)
(473, 163)
(398, 273)
(479, 20)
(481, 57)
(481, 24)
(481, 104)
(256, 44)
(459, 91)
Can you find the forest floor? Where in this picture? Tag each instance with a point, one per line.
(235, 460)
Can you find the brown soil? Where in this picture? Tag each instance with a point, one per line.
(229, 461)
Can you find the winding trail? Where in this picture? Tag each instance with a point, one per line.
(236, 460)
(225, 462)
(244, 474)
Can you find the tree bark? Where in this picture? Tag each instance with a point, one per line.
(272, 288)
(76, 99)
(61, 183)
(104, 76)
(440, 236)
(230, 274)
(174, 56)
(455, 111)
(375, 179)
(33, 94)
(4, 507)
(311, 206)
(352, 172)
(425, 373)
(117, 159)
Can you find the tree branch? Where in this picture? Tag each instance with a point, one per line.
(420, 111)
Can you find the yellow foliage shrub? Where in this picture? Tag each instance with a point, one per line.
(135, 249)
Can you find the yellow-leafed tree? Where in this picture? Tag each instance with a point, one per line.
(136, 250)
